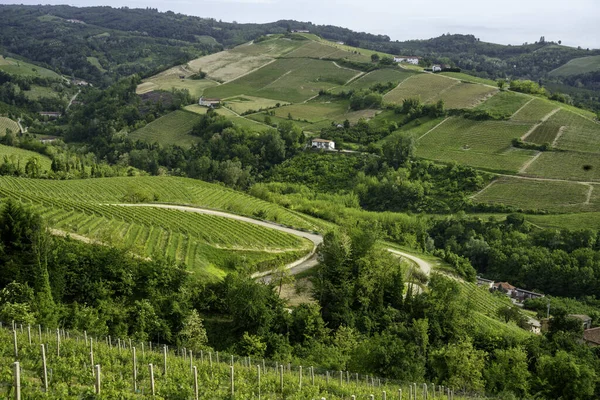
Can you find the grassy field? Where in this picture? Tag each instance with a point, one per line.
(415, 128)
(578, 66)
(38, 92)
(484, 145)
(173, 128)
(504, 103)
(96, 63)
(531, 195)
(7, 123)
(587, 220)
(423, 86)
(17, 67)
(314, 112)
(160, 189)
(534, 111)
(569, 165)
(580, 134)
(291, 80)
(242, 104)
(469, 78)
(464, 95)
(170, 79)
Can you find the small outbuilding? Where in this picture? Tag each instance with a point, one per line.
(206, 102)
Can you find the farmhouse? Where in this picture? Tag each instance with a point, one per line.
(206, 102)
(522, 294)
(410, 60)
(80, 82)
(50, 114)
(484, 282)
(586, 320)
(504, 287)
(300, 31)
(591, 337)
(436, 68)
(323, 144)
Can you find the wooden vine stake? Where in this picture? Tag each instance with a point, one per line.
(258, 370)
(29, 333)
(44, 368)
(165, 360)
(300, 378)
(399, 394)
(40, 332)
(98, 380)
(384, 395)
(151, 368)
(281, 377)
(232, 379)
(58, 342)
(134, 370)
(191, 361)
(196, 384)
(92, 357)
(15, 344)
(17, 376)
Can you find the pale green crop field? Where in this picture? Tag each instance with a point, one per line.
(484, 144)
(570, 165)
(242, 104)
(17, 67)
(291, 80)
(168, 81)
(425, 87)
(173, 128)
(504, 103)
(379, 76)
(96, 63)
(7, 123)
(544, 133)
(580, 134)
(469, 78)
(464, 95)
(533, 195)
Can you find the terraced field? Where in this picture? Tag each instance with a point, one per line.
(569, 165)
(484, 144)
(21, 156)
(545, 195)
(291, 80)
(504, 103)
(173, 128)
(314, 49)
(7, 123)
(242, 104)
(423, 86)
(379, 76)
(158, 189)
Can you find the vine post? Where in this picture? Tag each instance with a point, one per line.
(98, 379)
(44, 368)
(134, 370)
(17, 376)
(151, 368)
(196, 384)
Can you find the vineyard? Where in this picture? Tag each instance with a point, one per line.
(422, 86)
(484, 144)
(534, 111)
(464, 95)
(531, 195)
(379, 76)
(567, 165)
(313, 49)
(504, 103)
(20, 157)
(55, 364)
(580, 134)
(173, 128)
(7, 123)
(242, 104)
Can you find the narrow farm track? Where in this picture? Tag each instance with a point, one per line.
(249, 72)
(544, 119)
(303, 264)
(528, 163)
(524, 105)
(432, 129)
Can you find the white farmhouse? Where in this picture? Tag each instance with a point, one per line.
(436, 68)
(323, 144)
(206, 102)
(409, 60)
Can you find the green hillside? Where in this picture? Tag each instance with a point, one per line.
(18, 67)
(7, 123)
(173, 128)
(578, 66)
(21, 156)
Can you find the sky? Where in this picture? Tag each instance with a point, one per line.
(574, 22)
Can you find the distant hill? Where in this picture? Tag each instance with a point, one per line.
(578, 66)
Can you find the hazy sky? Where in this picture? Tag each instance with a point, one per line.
(575, 22)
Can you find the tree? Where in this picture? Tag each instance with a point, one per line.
(374, 57)
(193, 334)
(399, 149)
(563, 376)
(460, 365)
(501, 83)
(508, 372)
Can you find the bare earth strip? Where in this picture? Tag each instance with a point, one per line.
(432, 129)
(528, 163)
(558, 135)
(589, 195)
(546, 118)
(524, 105)
(249, 72)
(484, 189)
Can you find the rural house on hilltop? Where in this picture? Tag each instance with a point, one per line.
(410, 60)
(323, 144)
(206, 102)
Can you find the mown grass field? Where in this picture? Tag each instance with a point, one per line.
(17, 67)
(173, 128)
(253, 124)
(504, 103)
(7, 123)
(423, 86)
(586, 220)
(21, 156)
(291, 80)
(242, 104)
(96, 63)
(533, 195)
(569, 165)
(38, 92)
(159, 189)
(534, 111)
(578, 66)
(580, 134)
(414, 128)
(484, 144)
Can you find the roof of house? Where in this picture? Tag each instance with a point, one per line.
(592, 335)
(207, 99)
(322, 140)
(484, 280)
(504, 285)
(582, 317)
(529, 292)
